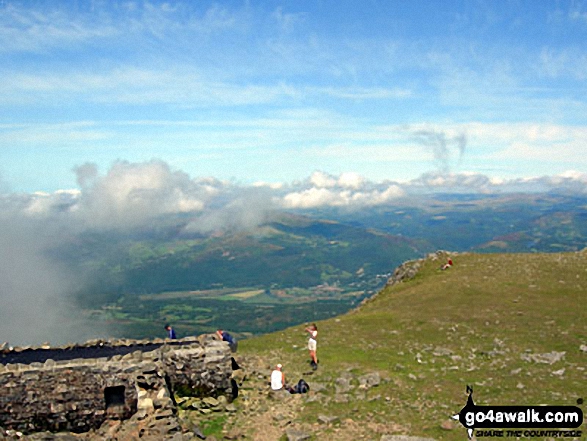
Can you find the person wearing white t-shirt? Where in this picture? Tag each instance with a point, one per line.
(277, 378)
(312, 344)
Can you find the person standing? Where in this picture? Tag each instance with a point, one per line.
(170, 332)
(312, 344)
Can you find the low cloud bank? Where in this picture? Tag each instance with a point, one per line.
(131, 195)
(36, 286)
(347, 190)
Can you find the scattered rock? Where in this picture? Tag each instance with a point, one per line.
(328, 419)
(546, 358)
(343, 385)
(442, 352)
(296, 435)
(210, 402)
(369, 380)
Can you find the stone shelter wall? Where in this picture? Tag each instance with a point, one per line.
(80, 394)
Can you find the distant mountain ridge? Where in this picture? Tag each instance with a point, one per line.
(475, 222)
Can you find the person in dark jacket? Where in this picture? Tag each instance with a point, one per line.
(170, 332)
(225, 336)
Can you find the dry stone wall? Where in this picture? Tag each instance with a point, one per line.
(78, 395)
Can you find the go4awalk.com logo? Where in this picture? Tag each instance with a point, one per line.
(520, 421)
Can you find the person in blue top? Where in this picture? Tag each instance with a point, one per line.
(170, 332)
(225, 336)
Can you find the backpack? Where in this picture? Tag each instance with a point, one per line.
(302, 387)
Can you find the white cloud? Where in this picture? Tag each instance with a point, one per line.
(271, 185)
(322, 180)
(574, 174)
(331, 197)
(365, 93)
(349, 189)
(287, 21)
(35, 30)
(56, 26)
(40, 204)
(177, 84)
(350, 180)
(452, 182)
(311, 198)
(576, 13)
(139, 86)
(131, 194)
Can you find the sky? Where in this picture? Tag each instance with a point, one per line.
(253, 93)
(115, 113)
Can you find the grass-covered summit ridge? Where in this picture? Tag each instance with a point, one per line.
(513, 326)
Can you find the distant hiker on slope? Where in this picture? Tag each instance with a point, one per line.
(447, 265)
(312, 344)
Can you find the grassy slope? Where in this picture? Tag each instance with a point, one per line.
(488, 310)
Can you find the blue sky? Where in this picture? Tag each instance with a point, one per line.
(115, 113)
(280, 92)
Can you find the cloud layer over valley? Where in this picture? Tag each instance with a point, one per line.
(37, 285)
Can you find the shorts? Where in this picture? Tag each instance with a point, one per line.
(312, 344)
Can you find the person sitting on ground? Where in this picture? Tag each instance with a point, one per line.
(225, 336)
(277, 378)
(170, 332)
(447, 265)
(312, 344)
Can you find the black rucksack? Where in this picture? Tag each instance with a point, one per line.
(302, 387)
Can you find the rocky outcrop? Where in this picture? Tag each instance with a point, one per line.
(408, 270)
(405, 271)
